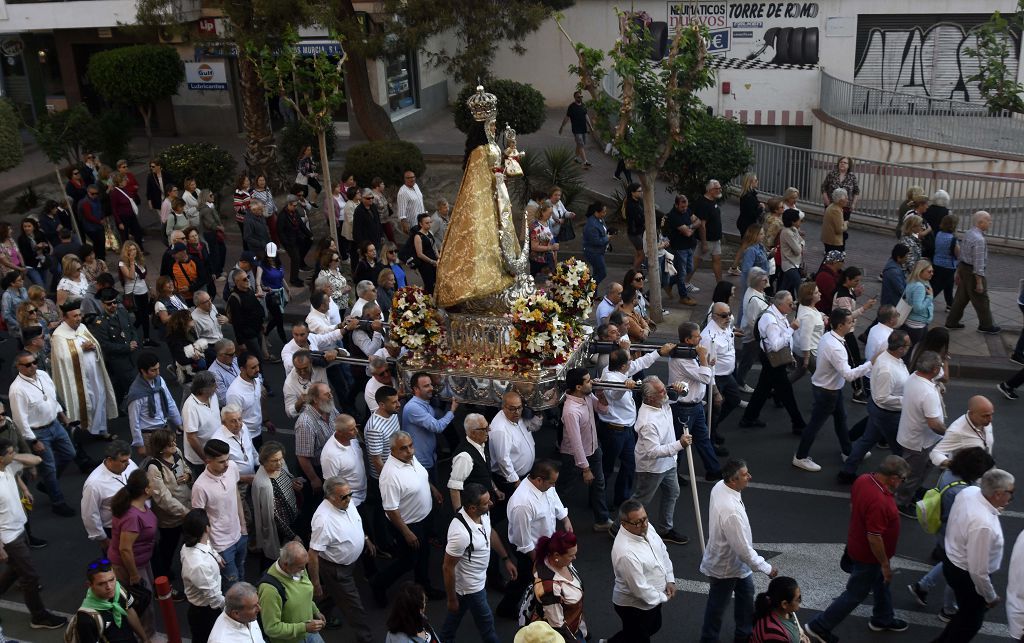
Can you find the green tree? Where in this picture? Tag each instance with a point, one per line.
(137, 76)
(313, 86)
(10, 139)
(519, 105)
(657, 101)
(63, 137)
(994, 51)
(719, 152)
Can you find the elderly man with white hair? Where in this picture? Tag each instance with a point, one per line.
(367, 336)
(298, 382)
(241, 450)
(366, 293)
(472, 461)
(238, 622)
(776, 332)
(207, 318)
(971, 277)
(974, 551)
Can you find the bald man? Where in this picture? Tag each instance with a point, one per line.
(612, 297)
(972, 429)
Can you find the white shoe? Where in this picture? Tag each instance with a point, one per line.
(746, 389)
(690, 288)
(846, 457)
(743, 404)
(735, 272)
(806, 464)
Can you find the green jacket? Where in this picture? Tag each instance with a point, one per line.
(289, 625)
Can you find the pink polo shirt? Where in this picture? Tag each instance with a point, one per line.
(219, 496)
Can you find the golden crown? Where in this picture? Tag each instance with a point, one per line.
(482, 105)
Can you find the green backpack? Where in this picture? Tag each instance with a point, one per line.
(929, 508)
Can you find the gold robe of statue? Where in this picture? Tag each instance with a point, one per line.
(470, 265)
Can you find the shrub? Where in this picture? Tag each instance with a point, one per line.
(290, 141)
(114, 132)
(387, 159)
(556, 166)
(64, 135)
(10, 140)
(212, 166)
(519, 105)
(713, 148)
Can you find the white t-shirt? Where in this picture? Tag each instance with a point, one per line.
(78, 289)
(134, 285)
(203, 419)
(12, 514)
(921, 400)
(471, 570)
(337, 459)
(405, 487)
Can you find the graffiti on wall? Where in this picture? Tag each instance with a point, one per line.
(773, 33)
(923, 55)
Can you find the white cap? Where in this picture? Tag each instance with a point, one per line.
(271, 249)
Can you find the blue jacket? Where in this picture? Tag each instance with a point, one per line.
(921, 302)
(595, 236)
(894, 282)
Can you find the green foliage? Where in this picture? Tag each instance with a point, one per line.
(519, 105)
(64, 136)
(995, 48)
(387, 159)
(291, 140)
(26, 201)
(114, 132)
(138, 75)
(10, 140)
(556, 166)
(213, 167)
(716, 148)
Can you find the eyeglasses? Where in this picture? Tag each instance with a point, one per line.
(636, 523)
(32, 311)
(28, 364)
(114, 303)
(514, 409)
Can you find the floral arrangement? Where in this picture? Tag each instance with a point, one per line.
(572, 288)
(414, 322)
(539, 336)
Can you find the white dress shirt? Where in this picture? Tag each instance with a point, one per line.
(974, 539)
(200, 574)
(776, 333)
(695, 376)
(318, 322)
(207, 325)
(404, 486)
(202, 419)
(336, 459)
(721, 345)
(656, 444)
(888, 377)
(296, 387)
(512, 448)
(247, 395)
(33, 403)
(338, 534)
(471, 570)
(97, 492)
(642, 570)
(1015, 590)
(462, 465)
(730, 550)
(228, 630)
(370, 393)
(833, 369)
(754, 303)
(317, 342)
(621, 405)
(962, 434)
(920, 401)
(532, 514)
(808, 336)
(878, 341)
(241, 450)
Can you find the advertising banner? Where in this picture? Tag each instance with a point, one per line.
(206, 75)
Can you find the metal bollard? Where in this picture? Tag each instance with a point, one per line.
(162, 586)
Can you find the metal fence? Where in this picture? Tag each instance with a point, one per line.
(922, 118)
(883, 187)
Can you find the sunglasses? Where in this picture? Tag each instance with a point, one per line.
(29, 364)
(102, 564)
(346, 496)
(723, 315)
(32, 311)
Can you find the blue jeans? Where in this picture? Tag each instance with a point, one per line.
(866, 578)
(234, 561)
(618, 444)
(58, 453)
(684, 266)
(721, 590)
(476, 603)
(931, 579)
(826, 402)
(693, 417)
(881, 424)
(597, 265)
(313, 637)
(35, 277)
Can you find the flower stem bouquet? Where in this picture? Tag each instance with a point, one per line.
(539, 335)
(414, 321)
(572, 288)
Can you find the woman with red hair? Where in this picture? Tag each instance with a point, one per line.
(557, 588)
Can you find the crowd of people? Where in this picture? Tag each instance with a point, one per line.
(384, 470)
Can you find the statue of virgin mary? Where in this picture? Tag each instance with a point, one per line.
(482, 267)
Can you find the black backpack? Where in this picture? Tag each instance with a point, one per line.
(407, 253)
(268, 579)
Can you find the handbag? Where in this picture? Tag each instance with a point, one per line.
(781, 357)
(301, 179)
(110, 240)
(903, 309)
(141, 595)
(567, 232)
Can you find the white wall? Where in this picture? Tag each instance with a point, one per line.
(42, 16)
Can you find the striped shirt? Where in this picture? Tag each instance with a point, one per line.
(312, 432)
(974, 251)
(377, 433)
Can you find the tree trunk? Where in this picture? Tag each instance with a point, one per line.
(146, 112)
(260, 151)
(373, 120)
(67, 201)
(328, 188)
(654, 308)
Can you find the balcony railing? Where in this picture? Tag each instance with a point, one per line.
(883, 187)
(922, 118)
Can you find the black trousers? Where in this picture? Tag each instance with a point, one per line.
(200, 622)
(131, 229)
(515, 588)
(19, 568)
(971, 614)
(774, 378)
(166, 551)
(730, 391)
(406, 558)
(638, 626)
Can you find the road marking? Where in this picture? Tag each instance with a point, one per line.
(15, 606)
(815, 566)
(826, 493)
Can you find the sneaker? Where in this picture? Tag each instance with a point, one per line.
(945, 616)
(665, 312)
(908, 511)
(919, 594)
(1007, 392)
(846, 456)
(48, 621)
(674, 537)
(895, 625)
(586, 164)
(36, 543)
(991, 330)
(819, 635)
(859, 398)
(807, 464)
(735, 272)
(1017, 358)
(882, 444)
(692, 288)
(687, 301)
(177, 596)
(743, 404)
(949, 308)
(746, 388)
(603, 526)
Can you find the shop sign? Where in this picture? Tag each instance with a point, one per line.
(206, 75)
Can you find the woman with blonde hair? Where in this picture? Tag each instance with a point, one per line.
(49, 313)
(751, 208)
(921, 299)
(913, 192)
(914, 228)
(132, 271)
(74, 284)
(790, 197)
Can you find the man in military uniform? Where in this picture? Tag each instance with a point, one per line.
(114, 328)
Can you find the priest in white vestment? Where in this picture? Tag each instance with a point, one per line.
(79, 375)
